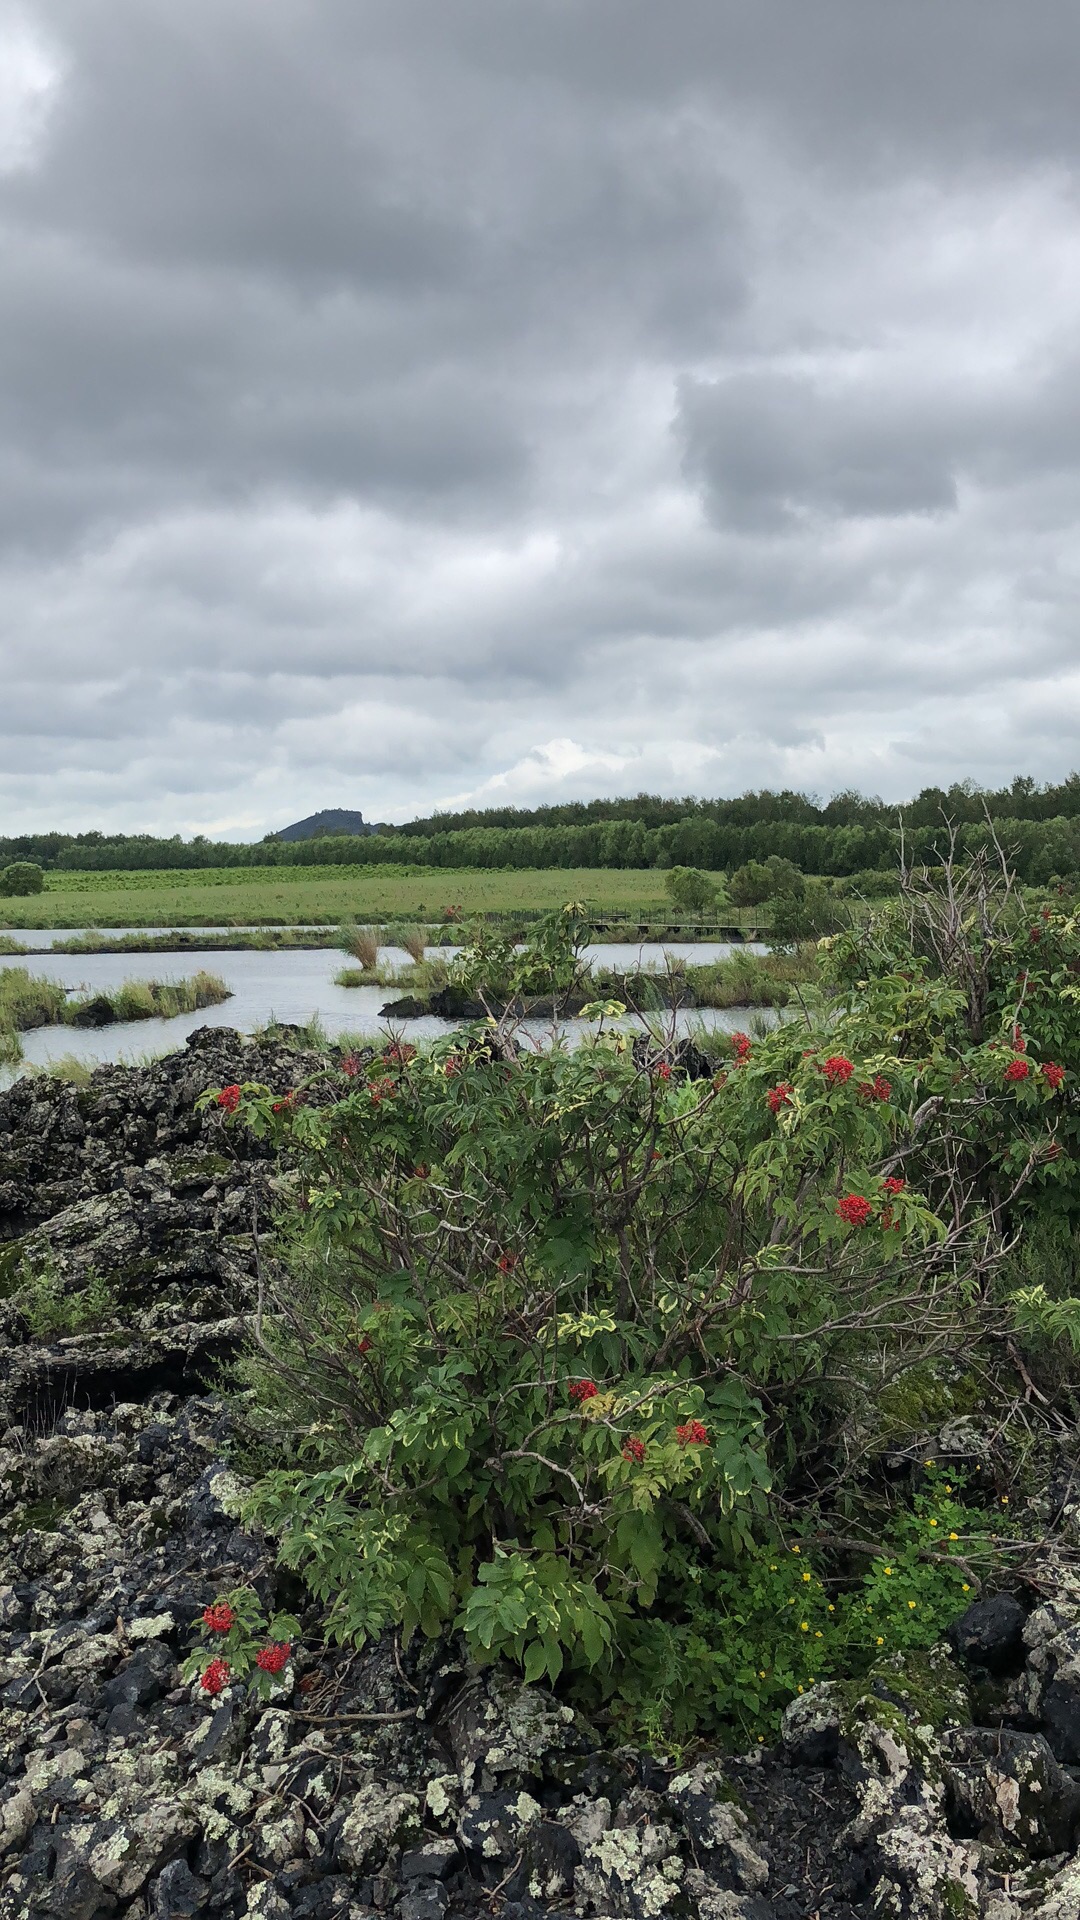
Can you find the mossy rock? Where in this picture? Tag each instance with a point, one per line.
(925, 1397)
(910, 1696)
(197, 1170)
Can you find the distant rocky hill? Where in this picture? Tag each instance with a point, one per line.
(330, 820)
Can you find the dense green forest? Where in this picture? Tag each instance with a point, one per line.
(849, 836)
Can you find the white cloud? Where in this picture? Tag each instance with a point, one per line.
(405, 406)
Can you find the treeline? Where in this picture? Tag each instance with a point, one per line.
(847, 838)
(1023, 799)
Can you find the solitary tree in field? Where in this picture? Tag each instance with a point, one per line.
(22, 877)
(690, 889)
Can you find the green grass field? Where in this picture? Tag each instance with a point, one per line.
(290, 896)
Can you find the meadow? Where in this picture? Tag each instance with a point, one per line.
(294, 896)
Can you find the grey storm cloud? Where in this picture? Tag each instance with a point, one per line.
(404, 403)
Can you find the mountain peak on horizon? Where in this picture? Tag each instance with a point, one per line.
(329, 821)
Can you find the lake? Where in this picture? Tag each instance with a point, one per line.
(290, 987)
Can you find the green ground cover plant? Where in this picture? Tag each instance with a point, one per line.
(586, 1358)
(49, 1311)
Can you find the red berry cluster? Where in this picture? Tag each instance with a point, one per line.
(219, 1618)
(1052, 1074)
(507, 1262)
(272, 1658)
(1018, 1070)
(229, 1099)
(876, 1089)
(837, 1069)
(350, 1066)
(399, 1053)
(216, 1677)
(581, 1390)
(692, 1434)
(740, 1047)
(854, 1209)
(663, 1070)
(779, 1096)
(634, 1451)
(892, 1185)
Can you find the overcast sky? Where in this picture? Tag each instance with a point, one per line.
(425, 402)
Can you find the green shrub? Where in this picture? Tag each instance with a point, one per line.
(806, 915)
(760, 880)
(568, 1342)
(22, 877)
(695, 892)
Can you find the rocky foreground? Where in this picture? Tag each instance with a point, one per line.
(396, 1782)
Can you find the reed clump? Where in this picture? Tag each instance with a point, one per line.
(363, 945)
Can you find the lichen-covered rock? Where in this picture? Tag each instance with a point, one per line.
(1007, 1786)
(810, 1727)
(634, 1871)
(378, 1820)
(718, 1828)
(889, 1746)
(1047, 1692)
(494, 1825)
(503, 1733)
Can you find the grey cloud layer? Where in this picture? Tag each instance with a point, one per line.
(401, 401)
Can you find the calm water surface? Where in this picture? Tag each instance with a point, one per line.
(292, 987)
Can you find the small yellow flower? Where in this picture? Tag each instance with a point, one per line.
(928, 1463)
(880, 1640)
(795, 1549)
(965, 1588)
(933, 1523)
(800, 1689)
(761, 1673)
(761, 1739)
(832, 1609)
(817, 1633)
(954, 1536)
(948, 1489)
(806, 1576)
(804, 1626)
(888, 1569)
(1004, 1499)
(772, 1569)
(911, 1604)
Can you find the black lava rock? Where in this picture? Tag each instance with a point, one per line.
(991, 1633)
